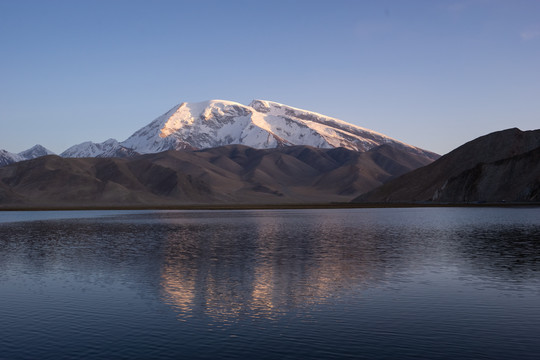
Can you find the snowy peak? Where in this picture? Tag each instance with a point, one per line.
(316, 120)
(89, 149)
(335, 132)
(192, 126)
(262, 124)
(108, 148)
(35, 152)
(189, 114)
(7, 158)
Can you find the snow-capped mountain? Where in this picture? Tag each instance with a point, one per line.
(108, 148)
(261, 124)
(36, 151)
(7, 158)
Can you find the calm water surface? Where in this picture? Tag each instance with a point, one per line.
(449, 283)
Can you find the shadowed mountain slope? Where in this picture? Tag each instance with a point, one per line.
(233, 174)
(501, 166)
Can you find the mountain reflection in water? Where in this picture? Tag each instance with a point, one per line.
(321, 284)
(262, 266)
(266, 268)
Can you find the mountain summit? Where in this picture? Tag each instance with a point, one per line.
(34, 152)
(261, 124)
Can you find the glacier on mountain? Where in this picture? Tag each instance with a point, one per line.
(261, 124)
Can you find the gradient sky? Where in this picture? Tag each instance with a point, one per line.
(433, 74)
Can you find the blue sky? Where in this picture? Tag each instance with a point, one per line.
(434, 74)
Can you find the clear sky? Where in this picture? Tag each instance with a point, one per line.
(433, 74)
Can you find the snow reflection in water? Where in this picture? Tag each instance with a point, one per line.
(371, 283)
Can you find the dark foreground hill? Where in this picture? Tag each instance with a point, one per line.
(501, 166)
(233, 174)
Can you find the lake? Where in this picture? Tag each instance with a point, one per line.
(418, 283)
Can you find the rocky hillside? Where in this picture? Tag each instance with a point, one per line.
(232, 174)
(501, 166)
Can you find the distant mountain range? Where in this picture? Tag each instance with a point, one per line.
(261, 125)
(32, 153)
(232, 174)
(500, 167)
(222, 152)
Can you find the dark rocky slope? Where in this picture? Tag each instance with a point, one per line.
(501, 166)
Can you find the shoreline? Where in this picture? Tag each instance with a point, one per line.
(269, 206)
